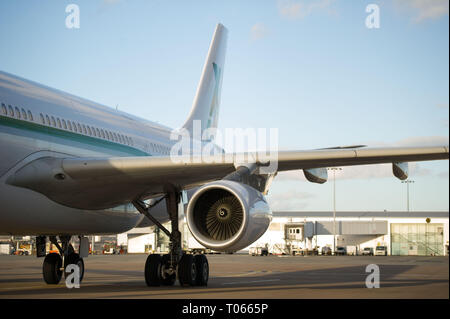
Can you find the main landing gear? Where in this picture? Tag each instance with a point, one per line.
(191, 270)
(54, 265)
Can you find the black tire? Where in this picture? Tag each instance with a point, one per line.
(187, 271)
(166, 279)
(202, 265)
(51, 269)
(153, 270)
(74, 259)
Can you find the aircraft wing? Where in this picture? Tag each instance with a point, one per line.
(97, 183)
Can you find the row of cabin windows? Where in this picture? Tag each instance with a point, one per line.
(66, 125)
(156, 148)
(85, 129)
(16, 112)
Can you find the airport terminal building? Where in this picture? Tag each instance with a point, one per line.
(402, 233)
(295, 232)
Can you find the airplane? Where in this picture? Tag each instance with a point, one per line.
(71, 167)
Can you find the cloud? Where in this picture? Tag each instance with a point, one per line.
(290, 200)
(443, 175)
(424, 9)
(258, 31)
(299, 9)
(423, 141)
(358, 172)
(412, 141)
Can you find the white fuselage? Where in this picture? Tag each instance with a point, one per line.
(37, 121)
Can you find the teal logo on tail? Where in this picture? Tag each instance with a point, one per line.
(214, 108)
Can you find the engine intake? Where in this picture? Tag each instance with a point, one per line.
(227, 215)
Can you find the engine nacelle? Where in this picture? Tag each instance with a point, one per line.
(227, 215)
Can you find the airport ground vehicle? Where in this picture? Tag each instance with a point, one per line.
(351, 250)
(326, 250)
(258, 251)
(110, 249)
(21, 252)
(340, 251)
(381, 251)
(367, 251)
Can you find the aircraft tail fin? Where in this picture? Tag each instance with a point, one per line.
(205, 107)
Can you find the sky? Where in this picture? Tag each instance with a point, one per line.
(311, 69)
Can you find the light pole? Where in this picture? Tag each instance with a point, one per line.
(334, 169)
(407, 182)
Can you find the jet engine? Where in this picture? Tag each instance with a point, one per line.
(227, 215)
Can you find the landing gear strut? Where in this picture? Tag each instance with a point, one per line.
(163, 270)
(54, 265)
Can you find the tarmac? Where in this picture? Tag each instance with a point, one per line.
(240, 276)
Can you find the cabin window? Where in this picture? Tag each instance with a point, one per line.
(98, 132)
(79, 128)
(59, 122)
(17, 112)
(4, 110)
(48, 119)
(42, 118)
(64, 124)
(53, 121)
(11, 111)
(103, 133)
(69, 125)
(24, 114)
(93, 131)
(89, 130)
(30, 116)
(115, 137)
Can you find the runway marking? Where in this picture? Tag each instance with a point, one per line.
(249, 282)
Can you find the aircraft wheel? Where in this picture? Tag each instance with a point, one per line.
(153, 267)
(187, 271)
(202, 265)
(51, 269)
